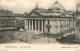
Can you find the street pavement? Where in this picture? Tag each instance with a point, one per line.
(17, 36)
(44, 40)
(27, 37)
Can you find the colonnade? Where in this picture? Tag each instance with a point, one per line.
(40, 25)
(36, 25)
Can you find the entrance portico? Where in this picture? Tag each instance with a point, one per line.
(57, 26)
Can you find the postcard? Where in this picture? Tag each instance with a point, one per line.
(39, 24)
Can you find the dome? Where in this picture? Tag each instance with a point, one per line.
(57, 7)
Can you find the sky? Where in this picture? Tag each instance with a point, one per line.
(22, 6)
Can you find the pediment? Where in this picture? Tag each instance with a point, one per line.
(33, 14)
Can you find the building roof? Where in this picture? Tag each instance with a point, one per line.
(55, 10)
(57, 6)
(5, 13)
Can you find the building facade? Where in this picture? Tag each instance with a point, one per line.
(55, 19)
(9, 20)
(77, 34)
(6, 19)
(58, 19)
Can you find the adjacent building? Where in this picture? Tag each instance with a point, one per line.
(9, 20)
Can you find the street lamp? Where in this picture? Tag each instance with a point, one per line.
(12, 35)
(61, 27)
(56, 26)
(48, 26)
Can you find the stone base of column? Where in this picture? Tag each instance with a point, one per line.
(42, 27)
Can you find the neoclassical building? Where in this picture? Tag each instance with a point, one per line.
(56, 16)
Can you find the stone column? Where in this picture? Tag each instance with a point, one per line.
(29, 25)
(73, 24)
(35, 25)
(38, 25)
(42, 26)
(26, 24)
(50, 25)
(62, 26)
(66, 25)
(32, 25)
(69, 25)
(45, 23)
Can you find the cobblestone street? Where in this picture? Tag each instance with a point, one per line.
(27, 37)
(44, 40)
(17, 37)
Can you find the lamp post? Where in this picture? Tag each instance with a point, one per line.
(26, 39)
(61, 27)
(56, 26)
(11, 35)
(61, 30)
(48, 26)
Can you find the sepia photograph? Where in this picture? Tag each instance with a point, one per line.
(37, 22)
